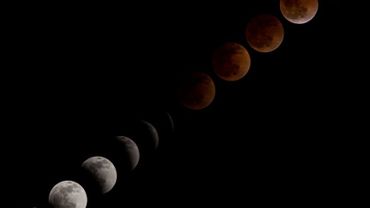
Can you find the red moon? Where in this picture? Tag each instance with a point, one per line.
(231, 62)
(264, 33)
(299, 11)
(197, 91)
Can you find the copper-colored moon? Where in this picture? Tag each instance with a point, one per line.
(197, 91)
(264, 33)
(231, 62)
(299, 11)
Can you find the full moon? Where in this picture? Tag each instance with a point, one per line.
(264, 33)
(68, 194)
(102, 171)
(299, 11)
(231, 61)
(197, 92)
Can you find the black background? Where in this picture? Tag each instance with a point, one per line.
(78, 75)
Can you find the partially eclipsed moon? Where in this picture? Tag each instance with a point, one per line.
(151, 132)
(197, 91)
(231, 61)
(131, 150)
(68, 194)
(264, 33)
(102, 171)
(171, 122)
(299, 11)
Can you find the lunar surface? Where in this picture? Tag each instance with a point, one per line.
(102, 171)
(299, 11)
(197, 91)
(231, 61)
(131, 150)
(68, 194)
(264, 33)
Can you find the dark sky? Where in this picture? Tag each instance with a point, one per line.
(79, 76)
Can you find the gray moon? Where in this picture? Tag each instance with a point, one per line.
(231, 61)
(171, 122)
(103, 171)
(264, 33)
(131, 150)
(152, 131)
(299, 11)
(68, 194)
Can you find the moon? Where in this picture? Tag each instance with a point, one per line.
(146, 137)
(171, 122)
(197, 91)
(299, 11)
(264, 33)
(151, 132)
(131, 150)
(102, 171)
(231, 62)
(68, 194)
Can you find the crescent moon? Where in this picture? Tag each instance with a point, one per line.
(151, 132)
(171, 122)
(131, 150)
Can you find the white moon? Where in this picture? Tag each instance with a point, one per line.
(131, 150)
(68, 194)
(103, 171)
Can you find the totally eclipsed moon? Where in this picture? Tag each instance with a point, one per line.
(264, 33)
(231, 61)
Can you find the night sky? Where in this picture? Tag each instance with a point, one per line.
(79, 76)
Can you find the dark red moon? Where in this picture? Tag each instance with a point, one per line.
(299, 11)
(264, 33)
(197, 91)
(231, 62)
